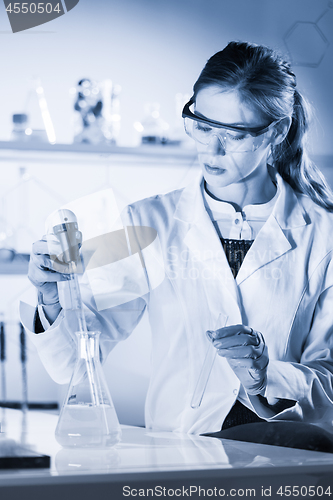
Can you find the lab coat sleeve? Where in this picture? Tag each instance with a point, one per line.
(310, 382)
(57, 346)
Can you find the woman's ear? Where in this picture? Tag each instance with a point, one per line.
(281, 130)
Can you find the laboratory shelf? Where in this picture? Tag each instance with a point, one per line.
(172, 155)
(13, 151)
(18, 263)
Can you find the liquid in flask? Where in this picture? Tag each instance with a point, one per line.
(88, 417)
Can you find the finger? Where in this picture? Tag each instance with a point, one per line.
(41, 261)
(60, 266)
(40, 247)
(241, 363)
(238, 353)
(39, 272)
(50, 247)
(49, 244)
(229, 331)
(50, 263)
(49, 292)
(54, 246)
(241, 339)
(39, 277)
(253, 366)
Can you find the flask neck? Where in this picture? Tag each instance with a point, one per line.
(88, 343)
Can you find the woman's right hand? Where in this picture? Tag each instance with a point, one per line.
(44, 272)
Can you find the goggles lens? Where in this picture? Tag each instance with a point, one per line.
(232, 141)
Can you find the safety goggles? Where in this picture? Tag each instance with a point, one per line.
(233, 139)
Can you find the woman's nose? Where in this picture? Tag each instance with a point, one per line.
(216, 145)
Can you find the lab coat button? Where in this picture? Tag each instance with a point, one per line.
(236, 221)
(235, 391)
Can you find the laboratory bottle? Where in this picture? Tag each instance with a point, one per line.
(88, 417)
(153, 129)
(20, 131)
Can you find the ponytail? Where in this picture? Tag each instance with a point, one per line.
(294, 165)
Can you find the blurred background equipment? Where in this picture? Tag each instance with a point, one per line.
(40, 127)
(111, 111)
(20, 131)
(152, 128)
(89, 106)
(97, 107)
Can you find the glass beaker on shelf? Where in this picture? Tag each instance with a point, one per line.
(88, 417)
(152, 128)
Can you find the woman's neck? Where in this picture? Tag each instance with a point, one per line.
(248, 192)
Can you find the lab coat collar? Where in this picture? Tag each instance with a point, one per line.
(288, 211)
(275, 237)
(190, 207)
(202, 239)
(272, 241)
(201, 235)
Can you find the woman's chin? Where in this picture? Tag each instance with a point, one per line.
(217, 179)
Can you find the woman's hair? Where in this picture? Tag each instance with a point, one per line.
(265, 80)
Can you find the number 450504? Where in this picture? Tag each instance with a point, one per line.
(33, 8)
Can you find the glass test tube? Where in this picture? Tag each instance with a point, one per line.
(207, 367)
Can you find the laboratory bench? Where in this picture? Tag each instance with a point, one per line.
(159, 464)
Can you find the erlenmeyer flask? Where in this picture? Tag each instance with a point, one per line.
(88, 417)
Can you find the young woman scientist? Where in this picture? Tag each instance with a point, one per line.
(247, 253)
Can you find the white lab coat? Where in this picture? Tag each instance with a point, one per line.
(284, 289)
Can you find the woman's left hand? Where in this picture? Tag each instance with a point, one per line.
(246, 352)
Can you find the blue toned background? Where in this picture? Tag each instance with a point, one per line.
(154, 49)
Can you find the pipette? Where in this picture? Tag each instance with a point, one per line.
(207, 366)
(66, 229)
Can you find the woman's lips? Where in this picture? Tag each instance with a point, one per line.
(212, 169)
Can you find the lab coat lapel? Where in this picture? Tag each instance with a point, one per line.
(275, 237)
(270, 244)
(205, 246)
